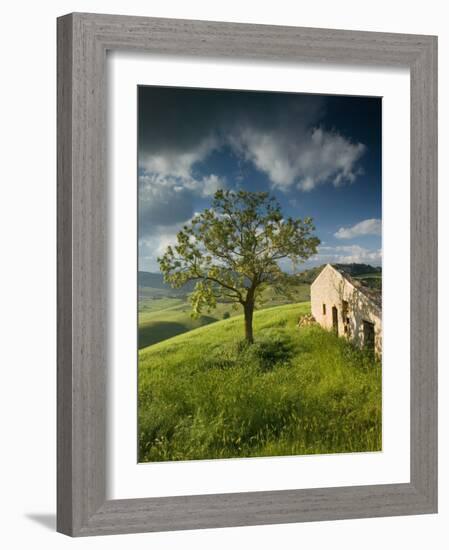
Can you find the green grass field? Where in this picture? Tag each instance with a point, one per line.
(156, 325)
(204, 394)
(163, 316)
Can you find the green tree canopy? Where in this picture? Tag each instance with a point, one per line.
(233, 251)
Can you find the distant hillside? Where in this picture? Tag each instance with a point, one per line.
(354, 270)
(166, 312)
(153, 280)
(156, 280)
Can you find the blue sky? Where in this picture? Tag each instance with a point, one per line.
(320, 156)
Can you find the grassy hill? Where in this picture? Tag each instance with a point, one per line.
(165, 312)
(205, 394)
(159, 323)
(155, 282)
(163, 315)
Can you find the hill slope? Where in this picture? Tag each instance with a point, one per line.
(163, 316)
(165, 312)
(295, 391)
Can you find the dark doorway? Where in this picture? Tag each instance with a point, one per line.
(335, 320)
(368, 336)
(344, 316)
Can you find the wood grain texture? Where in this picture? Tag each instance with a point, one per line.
(424, 276)
(83, 40)
(64, 278)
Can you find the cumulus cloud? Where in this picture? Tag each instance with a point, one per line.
(349, 254)
(154, 246)
(280, 135)
(177, 162)
(168, 183)
(300, 157)
(166, 200)
(372, 226)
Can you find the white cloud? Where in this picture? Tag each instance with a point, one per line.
(289, 154)
(208, 185)
(155, 245)
(372, 226)
(280, 137)
(286, 146)
(168, 199)
(300, 157)
(348, 254)
(177, 163)
(168, 185)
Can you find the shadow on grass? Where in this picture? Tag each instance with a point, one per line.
(158, 332)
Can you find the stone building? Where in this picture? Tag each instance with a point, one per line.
(344, 305)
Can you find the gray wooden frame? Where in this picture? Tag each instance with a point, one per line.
(83, 40)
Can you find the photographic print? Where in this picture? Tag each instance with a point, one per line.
(259, 274)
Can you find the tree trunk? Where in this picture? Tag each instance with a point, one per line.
(249, 309)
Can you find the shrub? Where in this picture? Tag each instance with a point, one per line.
(273, 349)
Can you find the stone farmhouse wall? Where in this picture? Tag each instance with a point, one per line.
(338, 305)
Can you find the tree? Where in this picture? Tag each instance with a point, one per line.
(233, 249)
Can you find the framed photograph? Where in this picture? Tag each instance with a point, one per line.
(247, 274)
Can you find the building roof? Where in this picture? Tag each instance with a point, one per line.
(371, 293)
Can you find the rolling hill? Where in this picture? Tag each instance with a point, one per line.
(204, 394)
(165, 312)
